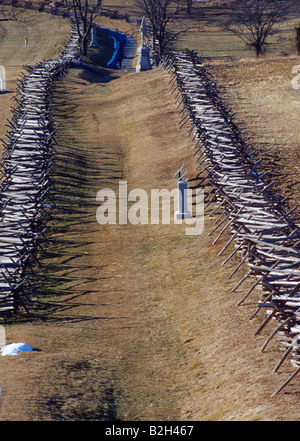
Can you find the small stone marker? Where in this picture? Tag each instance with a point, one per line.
(183, 211)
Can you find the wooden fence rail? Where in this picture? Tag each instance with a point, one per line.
(25, 166)
(265, 234)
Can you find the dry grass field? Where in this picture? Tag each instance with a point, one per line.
(137, 322)
(267, 107)
(14, 55)
(204, 31)
(134, 322)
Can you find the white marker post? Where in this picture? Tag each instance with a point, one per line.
(2, 78)
(183, 211)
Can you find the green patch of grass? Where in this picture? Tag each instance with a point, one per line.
(206, 34)
(105, 90)
(147, 248)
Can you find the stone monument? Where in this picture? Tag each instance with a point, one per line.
(143, 62)
(94, 42)
(182, 212)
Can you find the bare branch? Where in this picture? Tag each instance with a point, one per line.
(254, 21)
(9, 11)
(85, 13)
(162, 15)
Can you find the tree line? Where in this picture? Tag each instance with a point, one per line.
(253, 21)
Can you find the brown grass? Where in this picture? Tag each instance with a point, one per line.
(14, 55)
(267, 107)
(138, 322)
(142, 325)
(204, 30)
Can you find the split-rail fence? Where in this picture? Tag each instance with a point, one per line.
(265, 234)
(25, 189)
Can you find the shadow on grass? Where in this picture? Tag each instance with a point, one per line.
(72, 213)
(85, 386)
(82, 387)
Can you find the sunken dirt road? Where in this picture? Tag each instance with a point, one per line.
(134, 322)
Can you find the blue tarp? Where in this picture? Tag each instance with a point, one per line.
(120, 41)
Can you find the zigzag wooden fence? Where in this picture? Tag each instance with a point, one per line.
(26, 165)
(265, 235)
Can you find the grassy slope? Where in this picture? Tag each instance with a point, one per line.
(201, 364)
(45, 35)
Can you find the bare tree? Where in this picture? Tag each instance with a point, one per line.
(189, 6)
(254, 21)
(85, 13)
(161, 15)
(11, 11)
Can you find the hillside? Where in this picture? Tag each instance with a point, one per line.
(131, 313)
(137, 322)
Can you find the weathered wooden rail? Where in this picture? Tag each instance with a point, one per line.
(25, 165)
(263, 231)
